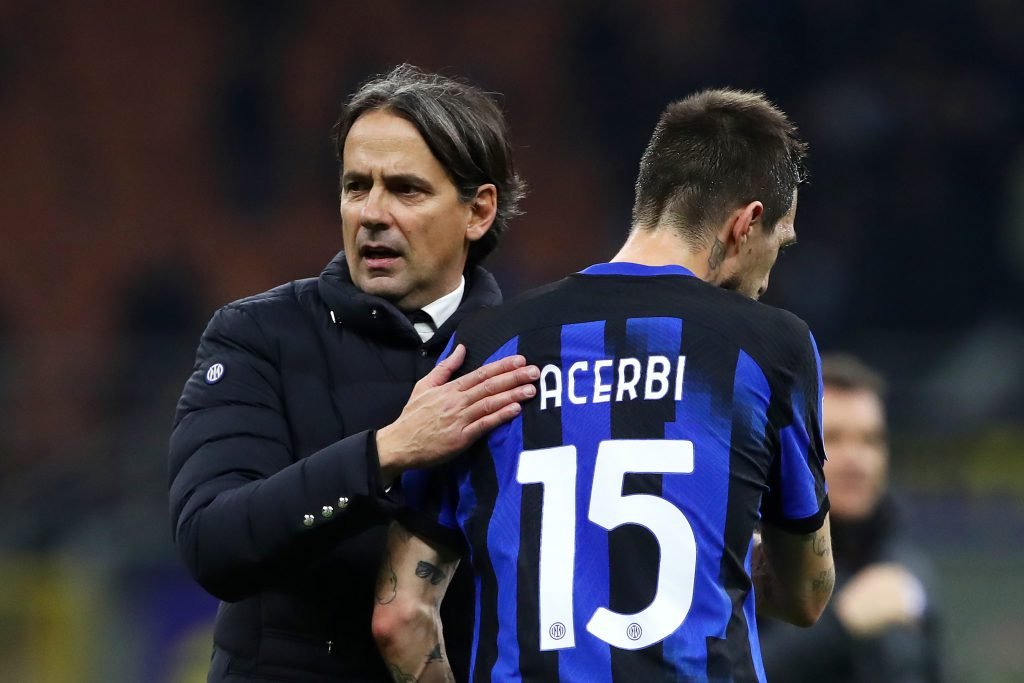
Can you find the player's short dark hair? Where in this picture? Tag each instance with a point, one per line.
(463, 127)
(713, 152)
(848, 373)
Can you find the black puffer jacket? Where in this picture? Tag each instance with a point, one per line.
(274, 482)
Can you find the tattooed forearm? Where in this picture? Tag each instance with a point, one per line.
(822, 545)
(824, 581)
(436, 656)
(399, 676)
(433, 573)
(717, 255)
(387, 582)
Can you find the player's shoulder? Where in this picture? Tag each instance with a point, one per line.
(772, 336)
(785, 332)
(487, 330)
(788, 324)
(730, 309)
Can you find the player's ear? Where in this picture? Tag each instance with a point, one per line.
(482, 210)
(742, 222)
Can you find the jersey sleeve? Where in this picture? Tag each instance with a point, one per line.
(798, 497)
(430, 505)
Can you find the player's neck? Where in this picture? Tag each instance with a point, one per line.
(662, 248)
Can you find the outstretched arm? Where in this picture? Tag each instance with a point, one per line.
(413, 578)
(249, 512)
(793, 574)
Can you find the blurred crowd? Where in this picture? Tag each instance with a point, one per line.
(160, 159)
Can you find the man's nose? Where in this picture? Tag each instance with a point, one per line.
(374, 213)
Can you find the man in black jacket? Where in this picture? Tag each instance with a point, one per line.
(302, 411)
(882, 624)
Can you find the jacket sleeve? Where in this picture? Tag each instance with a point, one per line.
(245, 513)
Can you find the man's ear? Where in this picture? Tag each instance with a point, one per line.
(482, 210)
(741, 222)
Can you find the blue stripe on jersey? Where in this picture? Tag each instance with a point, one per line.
(419, 487)
(466, 505)
(799, 500)
(449, 347)
(446, 515)
(585, 426)
(502, 537)
(626, 268)
(821, 390)
(703, 498)
(752, 396)
(750, 612)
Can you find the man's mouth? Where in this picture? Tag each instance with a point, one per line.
(379, 256)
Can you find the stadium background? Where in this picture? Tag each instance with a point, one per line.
(162, 158)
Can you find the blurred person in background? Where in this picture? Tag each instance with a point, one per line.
(610, 525)
(304, 407)
(882, 625)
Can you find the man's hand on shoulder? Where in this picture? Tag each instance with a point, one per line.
(444, 417)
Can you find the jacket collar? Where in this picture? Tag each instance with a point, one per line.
(379, 318)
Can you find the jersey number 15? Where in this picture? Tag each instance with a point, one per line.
(555, 468)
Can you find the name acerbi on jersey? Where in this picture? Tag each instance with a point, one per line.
(623, 379)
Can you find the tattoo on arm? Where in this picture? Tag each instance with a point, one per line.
(433, 573)
(717, 255)
(824, 582)
(399, 676)
(436, 656)
(822, 545)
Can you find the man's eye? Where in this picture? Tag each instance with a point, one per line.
(355, 186)
(407, 189)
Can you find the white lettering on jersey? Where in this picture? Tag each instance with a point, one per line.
(552, 391)
(614, 380)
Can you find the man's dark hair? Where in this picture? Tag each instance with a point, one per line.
(463, 127)
(848, 373)
(713, 152)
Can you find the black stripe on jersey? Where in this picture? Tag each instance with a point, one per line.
(485, 486)
(633, 583)
(541, 429)
(731, 659)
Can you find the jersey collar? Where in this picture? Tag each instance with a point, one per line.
(635, 269)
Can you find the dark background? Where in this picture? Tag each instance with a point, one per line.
(159, 159)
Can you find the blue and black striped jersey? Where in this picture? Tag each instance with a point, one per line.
(609, 525)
